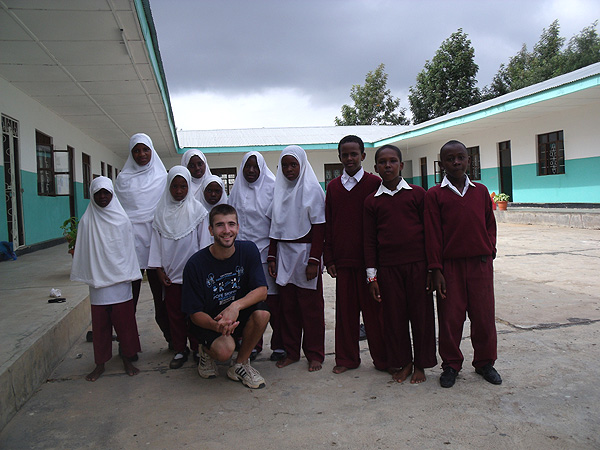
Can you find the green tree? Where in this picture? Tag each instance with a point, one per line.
(447, 83)
(583, 49)
(373, 103)
(547, 60)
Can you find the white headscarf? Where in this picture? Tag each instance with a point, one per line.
(253, 200)
(173, 219)
(206, 180)
(104, 250)
(185, 160)
(298, 204)
(139, 188)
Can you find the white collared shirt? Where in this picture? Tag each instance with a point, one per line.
(350, 181)
(401, 185)
(468, 182)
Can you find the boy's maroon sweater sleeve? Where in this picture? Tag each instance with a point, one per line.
(317, 243)
(328, 246)
(370, 233)
(490, 223)
(433, 230)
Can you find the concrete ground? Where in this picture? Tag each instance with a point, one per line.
(548, 313)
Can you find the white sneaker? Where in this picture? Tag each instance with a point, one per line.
(247, 374)
(207, 367)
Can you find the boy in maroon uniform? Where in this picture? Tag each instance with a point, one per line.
(343, 257)
(394, 238)
(461, 244)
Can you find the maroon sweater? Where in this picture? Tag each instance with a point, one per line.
(393, 228)
(459, 227)
(344, 221)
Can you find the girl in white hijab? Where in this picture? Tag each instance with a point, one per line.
(197, 164)
(105, 259)
(297, 233)
(139, 187)
(180, 229)
(251, 196)
(212, 192)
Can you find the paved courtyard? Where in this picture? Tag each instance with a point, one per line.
(548, 313)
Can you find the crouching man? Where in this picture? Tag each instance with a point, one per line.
(224, 289)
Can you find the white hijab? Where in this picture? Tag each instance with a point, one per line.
(206, 180)
(173, 219)
(255, 196)
(298, 204)
(253, 200)
(139, 188)
(185, 160)
(104, 250)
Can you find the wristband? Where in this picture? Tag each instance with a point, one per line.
(371, 279)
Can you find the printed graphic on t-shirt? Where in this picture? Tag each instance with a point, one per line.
(225, 286)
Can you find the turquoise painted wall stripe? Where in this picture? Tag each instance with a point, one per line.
(81, 203)
(42, 216)
(579, 184)
(3, 225)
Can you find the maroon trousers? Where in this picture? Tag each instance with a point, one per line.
(303, 310)
(160, 308)
(121, 316)
(469, 290)
(351, 296)
(178, 320)
(404, 299)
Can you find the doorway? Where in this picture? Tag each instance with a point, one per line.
(505, 169)
(64, 176)
(12, 181)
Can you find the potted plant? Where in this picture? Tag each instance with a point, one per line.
(502, 201)
(69, 228)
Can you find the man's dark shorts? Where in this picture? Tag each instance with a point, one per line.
(206, 337)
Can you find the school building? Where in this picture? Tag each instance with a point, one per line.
(538, 144)
(78, 78)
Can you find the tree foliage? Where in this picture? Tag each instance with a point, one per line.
(373, 103)
(447, 83)
(547, 60)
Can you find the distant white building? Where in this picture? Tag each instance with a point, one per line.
(538, 144)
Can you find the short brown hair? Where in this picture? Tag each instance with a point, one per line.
(223, 209)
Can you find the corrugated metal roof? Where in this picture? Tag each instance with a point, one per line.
(284, 136)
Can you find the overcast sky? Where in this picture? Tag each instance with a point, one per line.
(284, 63)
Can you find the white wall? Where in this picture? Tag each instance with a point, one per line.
(581, 134)
(33, 116)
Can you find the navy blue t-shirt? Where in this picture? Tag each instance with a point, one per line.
(210, 284)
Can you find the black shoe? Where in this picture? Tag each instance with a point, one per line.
(176, 363)
(489, 374)
(448, 377)
(254, 354)
(278, 356)
(362, 334)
